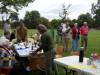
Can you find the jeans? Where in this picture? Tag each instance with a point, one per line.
(75, 44)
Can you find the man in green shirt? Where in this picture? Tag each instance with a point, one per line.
(46, 44)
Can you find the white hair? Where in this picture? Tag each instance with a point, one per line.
(85, 22)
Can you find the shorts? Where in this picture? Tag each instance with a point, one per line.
(84, 38)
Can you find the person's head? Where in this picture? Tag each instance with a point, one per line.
(85, 23)
(7, 21)
(7, 35)
(62, 24)
(67, 23)
(75, 24)
(21, 23)
(42, 28)
(4, 42)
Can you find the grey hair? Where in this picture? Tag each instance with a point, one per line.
(42, 28)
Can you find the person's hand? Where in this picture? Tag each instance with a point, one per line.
(34, 53)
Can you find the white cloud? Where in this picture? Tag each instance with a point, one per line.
(51, 8)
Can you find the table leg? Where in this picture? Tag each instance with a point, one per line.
(56, 69)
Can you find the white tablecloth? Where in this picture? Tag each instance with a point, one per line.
(24, 51)
(73, 61)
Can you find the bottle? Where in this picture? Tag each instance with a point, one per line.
(32, 46)
(90, 61)
(81, 54)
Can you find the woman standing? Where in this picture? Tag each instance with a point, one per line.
(75, 37)
(21, 32)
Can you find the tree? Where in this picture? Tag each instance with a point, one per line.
(64, 12)
(7, 5)
(44, 21)
(55, 23)
(85, 18)
(11, 6)
(32, 19)
(96, 12)
(13, 17)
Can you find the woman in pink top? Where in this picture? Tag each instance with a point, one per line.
(75, 37)
(84, 35)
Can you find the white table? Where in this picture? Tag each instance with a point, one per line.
(73, 62)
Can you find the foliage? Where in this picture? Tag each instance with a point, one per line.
(13, 17)
(12, 6)
(7, 5)
(44, 21)
(63, 15)
(32, 19)
(65, 12)
(96, 12)
(85, 18)
(55, 22)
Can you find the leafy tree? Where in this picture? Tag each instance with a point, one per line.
(13, 17)
(85, 18)
(44, 21)
(12, 6)
(96, 12)
(55, 22)
(65, 12)
(32, 19)
(7, 5)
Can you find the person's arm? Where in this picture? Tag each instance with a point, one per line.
(42, 46)
(26, 37)
(68, 30)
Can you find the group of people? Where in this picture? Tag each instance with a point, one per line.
(46, 41)
(65, 31)
(21, 35)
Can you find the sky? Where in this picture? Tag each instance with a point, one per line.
(50, 9)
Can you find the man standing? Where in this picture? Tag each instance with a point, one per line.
(46, 45)
(84, 35)
(66, 35)
(59, 31)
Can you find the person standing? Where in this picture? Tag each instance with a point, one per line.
(84, 35)
(66, 35)
(46, 45)
(75, 37)
(12, 35)
(59, 33)
(21, 32)
(7, 26)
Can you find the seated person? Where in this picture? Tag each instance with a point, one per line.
(5, 50)
(6, 35)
